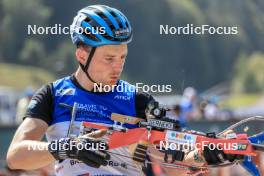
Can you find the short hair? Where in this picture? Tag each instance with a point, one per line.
(81, 44)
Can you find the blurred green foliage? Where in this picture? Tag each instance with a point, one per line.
(20, 77)
(239, 100)
(249, 76)
(181, 60)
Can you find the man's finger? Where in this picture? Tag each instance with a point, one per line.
(194, 158)
(95, 134)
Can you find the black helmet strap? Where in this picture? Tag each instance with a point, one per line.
(86, 66)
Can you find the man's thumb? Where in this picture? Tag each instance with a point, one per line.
(95, 134)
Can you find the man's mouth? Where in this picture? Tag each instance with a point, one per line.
(114, 77)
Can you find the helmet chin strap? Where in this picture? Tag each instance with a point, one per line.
(86, 66)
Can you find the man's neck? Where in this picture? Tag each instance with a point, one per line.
(83, 80)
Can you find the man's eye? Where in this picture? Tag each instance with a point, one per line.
(123, 57)
(108, 59)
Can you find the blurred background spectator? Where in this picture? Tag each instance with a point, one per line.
(22, 104)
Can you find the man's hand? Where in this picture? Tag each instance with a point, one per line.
(86, 148)
(214, 157)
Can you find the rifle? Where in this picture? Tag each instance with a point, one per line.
(156, 129)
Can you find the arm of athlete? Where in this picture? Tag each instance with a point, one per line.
(28, 152)
(29, 134)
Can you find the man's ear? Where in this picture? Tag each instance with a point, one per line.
(80, 55)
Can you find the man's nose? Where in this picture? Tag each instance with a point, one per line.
(118, 66)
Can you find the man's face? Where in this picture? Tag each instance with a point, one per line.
(107, 64)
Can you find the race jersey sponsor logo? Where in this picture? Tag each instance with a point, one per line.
(117, 164)
(121, 97)
(93, 113)
(73, 162)
(61, 92)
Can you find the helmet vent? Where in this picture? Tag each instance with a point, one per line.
(90, 36)
(113, 14)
